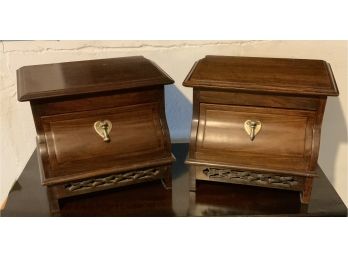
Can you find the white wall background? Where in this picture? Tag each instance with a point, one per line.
(17, 131)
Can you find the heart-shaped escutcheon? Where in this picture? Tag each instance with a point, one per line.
(103, 129)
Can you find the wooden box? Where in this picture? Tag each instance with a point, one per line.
(100, 123)
(257, 121)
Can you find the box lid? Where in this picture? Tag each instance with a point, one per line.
(82, 77)
(268, 75)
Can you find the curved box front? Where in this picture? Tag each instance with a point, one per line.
(257, 121)
(284, 141)
(74, 146)
(100, 124)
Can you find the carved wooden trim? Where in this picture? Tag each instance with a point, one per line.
(115, 179)
(253, 178)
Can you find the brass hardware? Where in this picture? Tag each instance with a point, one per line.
(103, 129)
(252, 128)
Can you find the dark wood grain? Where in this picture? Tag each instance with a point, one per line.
(72, 140)
(29, 198)
(286, 96)
(254, 99)
(285, 136)
(255, 74)
(90, 76)
(68, 98)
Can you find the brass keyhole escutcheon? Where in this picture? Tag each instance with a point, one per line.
(252, 128)
(103, 129)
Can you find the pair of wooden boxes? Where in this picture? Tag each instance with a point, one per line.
(101, 123)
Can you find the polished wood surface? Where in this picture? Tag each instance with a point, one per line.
(286, 97)
(29, 198)
(282, 139)
(70, 148)
(90, 76)
(255, 74)
(136, 134)
(252, 99)
(67, 99)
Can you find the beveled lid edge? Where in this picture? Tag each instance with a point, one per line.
(98, 88)
(240, 87)
(165, 79)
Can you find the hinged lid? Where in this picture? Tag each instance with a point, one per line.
(268, 75)
(73, 78)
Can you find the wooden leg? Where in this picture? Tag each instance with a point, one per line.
(167, 178)
(53, 202)
(304, 208)
(192, 178)
(192, 203)
(306, 193)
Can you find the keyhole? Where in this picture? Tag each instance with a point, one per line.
(252, 126)
(106, 137)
